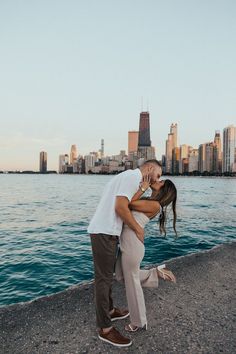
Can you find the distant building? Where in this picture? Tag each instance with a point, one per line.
(133, 159)
(133, 137)
(81, 164)
(43, 162)
(202, 157)
(163, 163)
(206, 157)
(175, 160)
(121, 157)
(217, 158)
(144, 130)
(229, 149)
(193, 161)
(105, 160)
(145, 150)
(185, 165)
(63, 163)
(101, 151)
(169, 149)
(171, 144)
(209, 156)
(90, 162)
(174, 131)
(184, 152)
(73, 154)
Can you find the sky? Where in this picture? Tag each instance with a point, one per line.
(74, 72)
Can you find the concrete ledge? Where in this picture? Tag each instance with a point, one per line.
(197, 315)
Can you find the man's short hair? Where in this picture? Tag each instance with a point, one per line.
(153, 161)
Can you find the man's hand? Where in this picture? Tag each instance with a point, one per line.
(140, 233)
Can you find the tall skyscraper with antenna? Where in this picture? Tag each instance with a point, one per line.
(145, 150)
(144, 130)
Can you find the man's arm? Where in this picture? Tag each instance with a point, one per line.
(122, 209)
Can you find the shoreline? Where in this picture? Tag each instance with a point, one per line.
(233, 175)
(180, 317)
(90, 282)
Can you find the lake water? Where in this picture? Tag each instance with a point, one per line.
(44, 245)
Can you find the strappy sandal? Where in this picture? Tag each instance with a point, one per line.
(131, 328)
(165, 276)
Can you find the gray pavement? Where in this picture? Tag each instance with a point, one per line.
(196, 315)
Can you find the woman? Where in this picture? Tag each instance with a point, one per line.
(132, 249)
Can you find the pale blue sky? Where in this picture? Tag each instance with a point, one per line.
(73, 72)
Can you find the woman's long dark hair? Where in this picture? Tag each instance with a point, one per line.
(166, 195)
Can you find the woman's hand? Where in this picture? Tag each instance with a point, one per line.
(146, 182)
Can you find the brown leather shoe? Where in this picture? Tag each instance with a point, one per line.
(119, 314)
(115, 338)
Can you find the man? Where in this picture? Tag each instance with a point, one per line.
(105, 229)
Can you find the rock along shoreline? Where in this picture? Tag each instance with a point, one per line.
(196, 315)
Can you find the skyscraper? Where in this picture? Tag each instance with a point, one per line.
(217, 154)
(174, 131)
(133, 137)
(169, 149)
(175, 160)
(229, 149)
(171, 144)
(43, 162)
(144, 130)
(90, 161)
(206, 157)
(145, 150)
(102, 148)
(184, 153)
(63, 163)
(202, 157)
(209, 156)
(73, 154)
(193, 161)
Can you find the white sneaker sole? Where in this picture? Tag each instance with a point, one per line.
(120, 318)
(115, 344)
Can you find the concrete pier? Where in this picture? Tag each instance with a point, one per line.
(195, 315)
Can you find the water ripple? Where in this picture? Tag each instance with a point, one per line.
(44, 245)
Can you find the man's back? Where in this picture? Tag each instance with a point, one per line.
(105, 219)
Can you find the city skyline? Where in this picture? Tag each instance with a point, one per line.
(174, 156)
(75, 72)
(207, 159)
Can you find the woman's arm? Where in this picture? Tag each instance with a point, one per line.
(150, 207)
(137, 195)
(144, 185)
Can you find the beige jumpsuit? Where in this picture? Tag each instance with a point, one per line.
(128, 270)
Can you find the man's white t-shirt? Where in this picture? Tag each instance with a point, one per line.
(105, 219)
